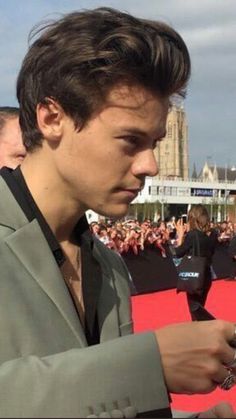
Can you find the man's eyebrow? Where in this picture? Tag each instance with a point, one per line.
(139, 132)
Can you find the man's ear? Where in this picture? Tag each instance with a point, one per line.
(50, 119)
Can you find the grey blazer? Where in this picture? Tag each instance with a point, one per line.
(47, 369)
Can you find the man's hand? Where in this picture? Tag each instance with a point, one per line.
(193, 355)
(221, 410)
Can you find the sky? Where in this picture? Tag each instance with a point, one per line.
(209, 30)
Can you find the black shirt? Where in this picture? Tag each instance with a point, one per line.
(91, 270)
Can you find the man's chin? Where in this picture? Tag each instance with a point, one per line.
(116, 211)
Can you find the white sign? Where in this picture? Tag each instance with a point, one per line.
(183, 191)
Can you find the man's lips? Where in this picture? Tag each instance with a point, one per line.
(131, 192)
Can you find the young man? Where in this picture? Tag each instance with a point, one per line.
(12, 150)
(94, 92)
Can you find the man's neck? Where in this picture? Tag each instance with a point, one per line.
(52, 198)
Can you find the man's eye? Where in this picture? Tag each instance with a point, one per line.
(131, 139)
(131, 142)
(128, 139)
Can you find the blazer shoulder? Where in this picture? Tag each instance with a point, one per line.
(11, 214)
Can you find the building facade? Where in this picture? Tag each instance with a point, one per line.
(174, 197)
(172, 154)
(217, 173)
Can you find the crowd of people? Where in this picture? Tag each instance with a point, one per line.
(174, 238)
(130, 235)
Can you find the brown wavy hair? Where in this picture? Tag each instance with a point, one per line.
(198, 218)
(77, 59)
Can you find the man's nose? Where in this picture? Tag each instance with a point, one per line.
(145, 164)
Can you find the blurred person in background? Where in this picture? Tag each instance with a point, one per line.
(12, 150)
(196, 230)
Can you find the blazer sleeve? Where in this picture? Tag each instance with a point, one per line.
(124, 372)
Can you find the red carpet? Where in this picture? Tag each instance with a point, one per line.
(154, 310)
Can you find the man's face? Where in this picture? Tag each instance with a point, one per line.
(12, 150)
(105, 164)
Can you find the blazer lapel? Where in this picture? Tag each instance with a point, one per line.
(31, 248)
(27, 242)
